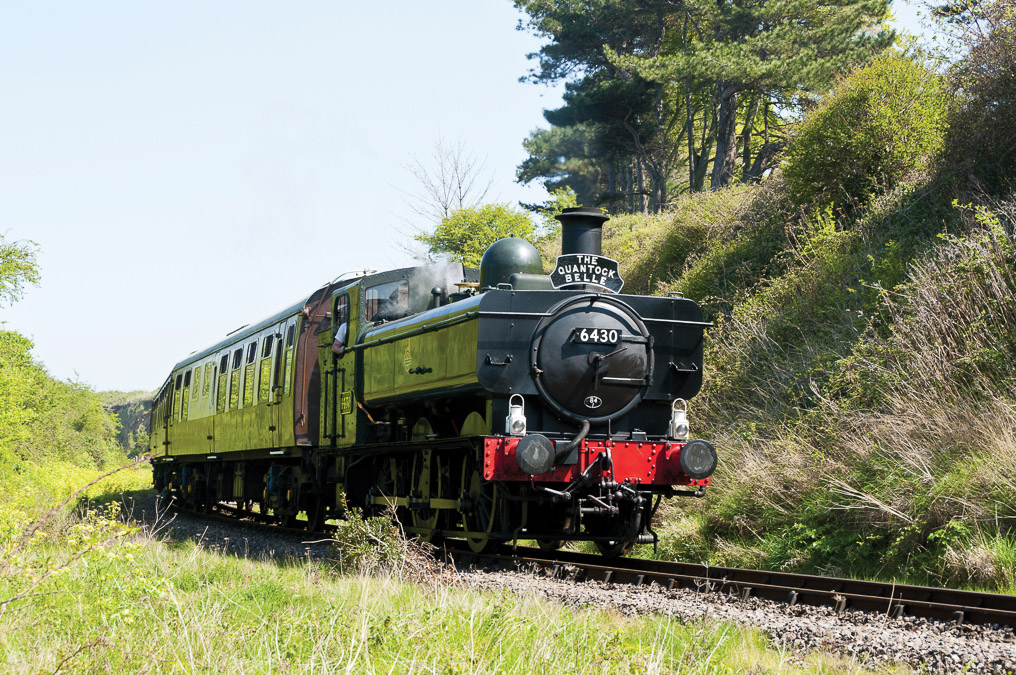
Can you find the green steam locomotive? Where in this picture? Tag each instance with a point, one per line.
(489, 405)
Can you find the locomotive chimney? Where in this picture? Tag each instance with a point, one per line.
(582, 230)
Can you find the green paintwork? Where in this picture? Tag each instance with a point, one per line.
(196, 428)
(393, 350)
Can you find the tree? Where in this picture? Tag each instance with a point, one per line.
(984, 81)
(17, 268)
(452, 179)
(763, 51)
(692, 85)
(466, 233)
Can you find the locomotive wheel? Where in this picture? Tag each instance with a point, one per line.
(385, 485)
(487, 512)
(474, 425)
(619, 528)
(427, 481)
(557, 521)
(614, 549)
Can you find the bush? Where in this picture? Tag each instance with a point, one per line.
(43, 419)
(982, 138)
(376, 544)
(881, 123)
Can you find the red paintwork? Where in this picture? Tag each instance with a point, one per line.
(645, 463)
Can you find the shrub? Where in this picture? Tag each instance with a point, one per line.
(982, 138)
(376, 544)
(881, 123)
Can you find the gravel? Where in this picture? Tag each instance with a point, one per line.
(243, 539)
(871, 639)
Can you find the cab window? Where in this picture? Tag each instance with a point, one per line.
(387, 302)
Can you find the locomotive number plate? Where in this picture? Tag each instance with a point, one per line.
(596, 336)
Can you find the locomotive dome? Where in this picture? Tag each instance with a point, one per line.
(506, 257)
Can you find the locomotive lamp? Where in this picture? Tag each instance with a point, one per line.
(678, 427)
(698, 459)
(515, 423)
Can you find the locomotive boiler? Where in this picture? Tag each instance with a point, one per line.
(491, 405)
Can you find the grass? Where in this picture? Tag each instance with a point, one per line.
(90, 594)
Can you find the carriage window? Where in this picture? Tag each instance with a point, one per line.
(387, 301)
(197, 383)
(248, 373)
(179, 379)
(287, 370)
(207, 382)
(265, 369)
(220, 387)
(234, 380)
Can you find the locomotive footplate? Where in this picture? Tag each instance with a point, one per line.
(638, 463)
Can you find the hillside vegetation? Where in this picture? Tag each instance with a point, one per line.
(861, 377)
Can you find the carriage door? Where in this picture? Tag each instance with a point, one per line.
(341, 404)
(267, 390)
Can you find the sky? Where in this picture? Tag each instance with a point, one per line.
(187, 167)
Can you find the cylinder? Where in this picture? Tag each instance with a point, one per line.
(582, 230)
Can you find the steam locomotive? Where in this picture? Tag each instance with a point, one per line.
(492, 405)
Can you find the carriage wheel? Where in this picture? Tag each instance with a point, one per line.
(316, 512)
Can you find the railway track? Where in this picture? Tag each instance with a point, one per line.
(894, 600)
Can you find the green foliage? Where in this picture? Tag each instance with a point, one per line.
(985, 82)
(466, 233)
(371, 544)
(882, 123)
(17, 268)
(659, 93)
(44, 419)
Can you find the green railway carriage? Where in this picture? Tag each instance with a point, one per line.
(487, 404)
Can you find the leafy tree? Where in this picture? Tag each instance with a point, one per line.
(466, 233)
(882, 122)
(658, 86)
(17, 268)
(984, 80)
